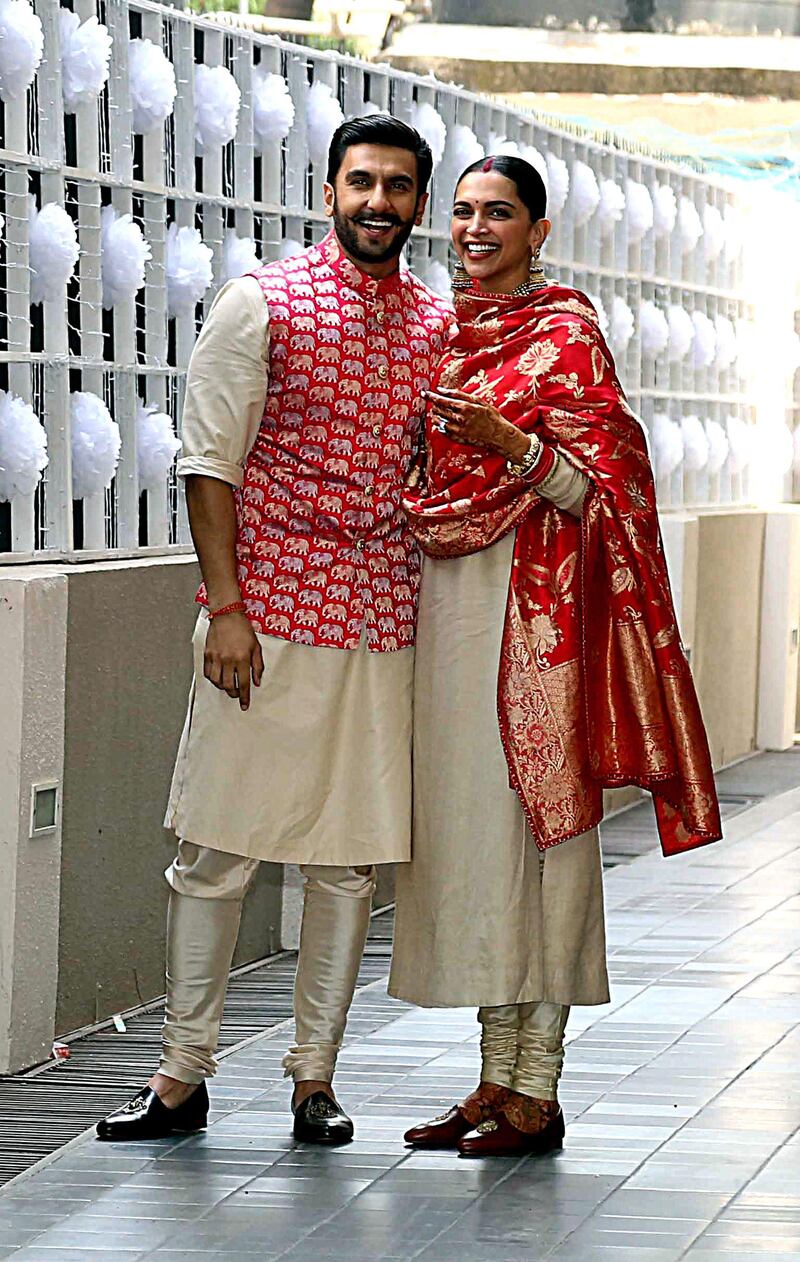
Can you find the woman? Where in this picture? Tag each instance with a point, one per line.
(549, 666)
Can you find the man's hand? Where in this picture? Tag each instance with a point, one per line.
(232, 656)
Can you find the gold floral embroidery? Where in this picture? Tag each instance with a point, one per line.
(539, 358)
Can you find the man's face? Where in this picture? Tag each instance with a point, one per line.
(374, 203)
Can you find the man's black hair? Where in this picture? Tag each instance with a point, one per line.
(380, 129)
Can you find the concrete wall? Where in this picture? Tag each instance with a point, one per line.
(730, 16)
(725, 658)
(93, 700)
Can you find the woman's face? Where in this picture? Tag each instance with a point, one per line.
(492, 231)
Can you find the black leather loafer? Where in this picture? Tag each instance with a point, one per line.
(146, 1117)
(319, 1120)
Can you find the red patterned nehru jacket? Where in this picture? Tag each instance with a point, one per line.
(323, 545)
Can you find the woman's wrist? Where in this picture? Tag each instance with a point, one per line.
(516, 444)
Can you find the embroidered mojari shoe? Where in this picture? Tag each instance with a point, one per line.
(441, 1132)
(446, 1130)
(320, 1120)
(498, 1137)
(147, 1117)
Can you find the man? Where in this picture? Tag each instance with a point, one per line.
(303, 404)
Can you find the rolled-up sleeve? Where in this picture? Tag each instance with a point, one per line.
(226, 384)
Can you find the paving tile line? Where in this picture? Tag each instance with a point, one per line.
(698, 1240)
(752, 821)
(789, 803)
(596, 1208)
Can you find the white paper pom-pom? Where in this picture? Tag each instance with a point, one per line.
(85, 54)
(21, 47)
(465, 147)
(704, 346)
(557, 184)
(152, 84)
(323, 116)
(216, 107)
(735, 231)
(718, 446)
(665, 210)
(273, 107)
(439, 280)
(778, 442)
(499, 145)
(52, 250)
(740, 437)
(23, 447)
(695, 443)
(585, 193)
(653, 330)
(239, 256)
(125, 254)
(431, 126)
(622, 324)
(188, 269)
(713, 231)
(156, 446)
(640, 212)
(667, 444)
(289, 247)
(681, 332)
(602, 314)
(725, 336)
(535, 158)
(746, 348)
(611, 208)
(689, 225)
(95, 444)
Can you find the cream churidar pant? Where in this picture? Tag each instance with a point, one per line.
(522, 1047)
(207, 888)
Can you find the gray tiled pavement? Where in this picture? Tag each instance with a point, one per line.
(682, 1095)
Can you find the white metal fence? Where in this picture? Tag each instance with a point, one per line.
(136, 352)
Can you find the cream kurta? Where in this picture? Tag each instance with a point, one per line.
(318, 770)
(481, 918)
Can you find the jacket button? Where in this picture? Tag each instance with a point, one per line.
(359, 545)
(376, 429)
(383, 371)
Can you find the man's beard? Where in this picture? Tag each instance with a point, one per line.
(371, 252)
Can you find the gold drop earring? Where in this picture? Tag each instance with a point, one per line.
(461, 278)
(537, 278)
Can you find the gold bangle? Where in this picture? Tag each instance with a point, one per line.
(525, 467)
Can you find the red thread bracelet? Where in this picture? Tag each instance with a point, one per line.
(238, 606)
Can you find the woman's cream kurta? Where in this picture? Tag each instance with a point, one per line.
(318, 770)
(482, 919)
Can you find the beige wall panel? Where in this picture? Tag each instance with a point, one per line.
(725, 656)
(128, 673)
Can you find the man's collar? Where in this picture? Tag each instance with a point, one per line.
(352, 276)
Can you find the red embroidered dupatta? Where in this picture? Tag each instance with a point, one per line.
(594, 690)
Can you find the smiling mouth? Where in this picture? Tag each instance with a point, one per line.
(376, 227)
(480, 251)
